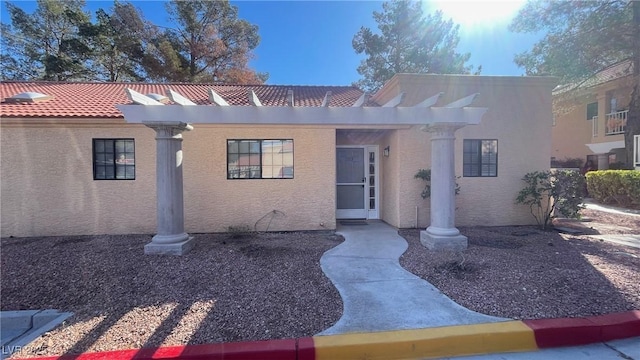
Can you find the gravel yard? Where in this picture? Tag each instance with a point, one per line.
(525, 273)
(271, 286)
(264, 287)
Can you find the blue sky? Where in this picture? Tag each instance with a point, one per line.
(309, 42)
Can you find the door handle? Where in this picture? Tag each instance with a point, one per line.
(364, 179)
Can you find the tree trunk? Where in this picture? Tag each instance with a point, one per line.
(633, 118)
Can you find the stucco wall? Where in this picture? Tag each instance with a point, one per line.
(47, 185)
(519, 117)
(212, 203)
(572, 130)
(389, 202)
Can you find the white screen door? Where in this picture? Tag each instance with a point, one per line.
(351, 183)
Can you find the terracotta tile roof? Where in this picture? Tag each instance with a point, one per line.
(613, 72)
(98, 100)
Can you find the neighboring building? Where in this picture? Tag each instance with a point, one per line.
(590, 117)
(72, 165)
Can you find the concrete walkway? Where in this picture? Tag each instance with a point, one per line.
(378, 294)
(19, 328)
(591, 204)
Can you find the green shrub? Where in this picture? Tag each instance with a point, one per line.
(549, 192)
(620, 187)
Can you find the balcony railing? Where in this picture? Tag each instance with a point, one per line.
(615, 123)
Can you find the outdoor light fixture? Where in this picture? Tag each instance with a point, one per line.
(386, 152)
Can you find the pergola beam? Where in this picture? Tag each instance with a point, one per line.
(178, 99)
(140, 99)
(217, 99)
(290, 98)
(282, 115)
(253, 99)
(361, 100)
(464, 102)
(327, 99)
(395, 101)
(429, 102)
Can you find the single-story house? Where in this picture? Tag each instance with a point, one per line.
(283, 157)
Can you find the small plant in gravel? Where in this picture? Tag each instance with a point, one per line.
(548, 193)
(239, 231)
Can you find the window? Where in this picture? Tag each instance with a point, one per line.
(592, 110)
(613, 104)
(480, 158)
(114, 159)
(259, 159)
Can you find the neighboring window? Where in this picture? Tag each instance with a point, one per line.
(592, 110)
(114, 159)
(613, 104)
(480, 158)
(259, 159)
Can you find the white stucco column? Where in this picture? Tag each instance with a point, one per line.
(603, 161)
(442, 233)
(171, 238)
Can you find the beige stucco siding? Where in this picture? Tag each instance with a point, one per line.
(519, 117)
(389, 202)
(522, 125)
(213, 203)
(415, 154)
(47, 185)
(572, 130)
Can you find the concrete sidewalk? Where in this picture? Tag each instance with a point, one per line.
(378, 294)
(19, 328)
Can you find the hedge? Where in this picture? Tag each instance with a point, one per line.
(620, 187)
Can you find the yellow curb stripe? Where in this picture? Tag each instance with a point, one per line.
(428, 343)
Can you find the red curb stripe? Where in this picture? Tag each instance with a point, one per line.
(263, 350)
(581, 331)
(306, 349)
(619, 325)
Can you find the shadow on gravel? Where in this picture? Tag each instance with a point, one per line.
(264, 287)
(525, 273)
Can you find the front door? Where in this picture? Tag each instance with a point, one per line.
(356, 182)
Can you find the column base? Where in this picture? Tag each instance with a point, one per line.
(443, 242)
(179, 248)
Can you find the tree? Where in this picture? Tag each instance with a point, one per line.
(46, 45)
(210, 44)
(584, 37)
(117, 41)
(408, 42)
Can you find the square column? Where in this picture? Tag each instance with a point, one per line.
(171, 238)
(442, 233)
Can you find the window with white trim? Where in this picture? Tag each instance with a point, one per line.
(480, 158)
(259, 159)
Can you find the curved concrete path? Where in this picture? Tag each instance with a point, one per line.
(378, 294)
